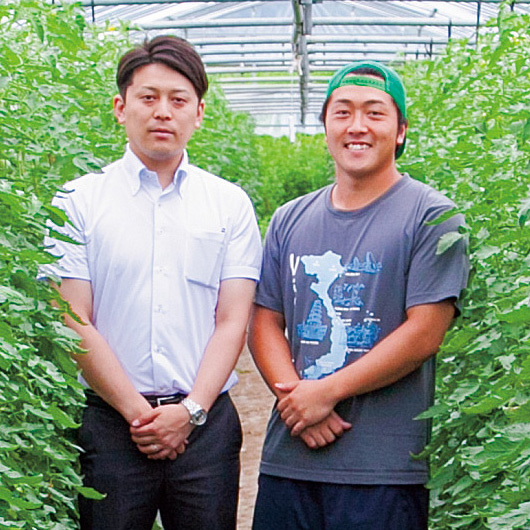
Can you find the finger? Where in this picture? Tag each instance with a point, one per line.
(298, 428)
(282, 404)
(337, 424)
(335, 427)
(328, 436)
(143, 439)
(289, 420)
(144, 419)
(182, 447)
(309, 441)
(145, 430)
(320, 440)
(149, 449)
(160, 455)
(287, 387)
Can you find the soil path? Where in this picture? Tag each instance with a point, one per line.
(254, 402)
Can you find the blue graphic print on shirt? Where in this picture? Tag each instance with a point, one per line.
(346, 339)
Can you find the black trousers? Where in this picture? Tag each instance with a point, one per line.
(197, 491)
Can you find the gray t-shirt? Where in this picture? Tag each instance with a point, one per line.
(343, 281)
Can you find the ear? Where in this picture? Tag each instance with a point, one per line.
(200, 114)
(119, 108)
(401, 134)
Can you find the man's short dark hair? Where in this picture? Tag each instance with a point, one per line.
(174, 52)
(374, 73)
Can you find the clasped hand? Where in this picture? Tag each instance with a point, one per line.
(163, 432)
(307, 409)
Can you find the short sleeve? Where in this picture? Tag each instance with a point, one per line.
(73, 260)
(434, 277)
(242, 258)
(269, 291)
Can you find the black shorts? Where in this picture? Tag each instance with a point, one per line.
(288, 504)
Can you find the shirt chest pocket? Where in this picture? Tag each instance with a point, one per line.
(204, 257)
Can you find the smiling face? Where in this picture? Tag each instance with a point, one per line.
(362, 132)
(160, 112)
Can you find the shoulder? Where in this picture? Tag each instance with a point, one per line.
(424, 194)
(211, 196)
(80, 195)
(214, 185)
(424, 202)
(303, 206)
(89, 181)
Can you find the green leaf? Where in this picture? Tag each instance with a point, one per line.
(523, 212)
(17, 502)
(433, 412)
(447, 241)
(443, 217)
(62, 418)
(90, 493)
(57, 215)
(516, 316)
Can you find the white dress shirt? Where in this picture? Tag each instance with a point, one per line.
(155, 259)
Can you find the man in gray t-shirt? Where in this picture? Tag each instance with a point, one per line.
(353, 304)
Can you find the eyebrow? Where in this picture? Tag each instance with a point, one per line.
(172, 91)
(346, 101)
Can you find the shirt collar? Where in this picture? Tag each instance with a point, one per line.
(133, 167)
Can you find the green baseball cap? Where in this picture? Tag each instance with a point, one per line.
(391, 84)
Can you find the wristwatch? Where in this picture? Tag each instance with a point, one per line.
(197, 413)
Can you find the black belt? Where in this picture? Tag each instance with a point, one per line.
(172, 399)
(154, 401)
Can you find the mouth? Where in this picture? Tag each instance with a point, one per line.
(164, 132)
(357, 146)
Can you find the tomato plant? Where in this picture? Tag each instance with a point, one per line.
(470, 124)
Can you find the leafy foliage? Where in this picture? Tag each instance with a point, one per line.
(56, 123)
(470, 125)
(224, 143)
(54, 75)
(470, 117)
(288, 170)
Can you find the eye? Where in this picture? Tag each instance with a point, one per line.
(341, 113)
(376, 113)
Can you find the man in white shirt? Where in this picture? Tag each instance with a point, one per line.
(163, 280)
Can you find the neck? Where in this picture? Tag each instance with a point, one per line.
(165, 175)
(356, 193)
(164, 167)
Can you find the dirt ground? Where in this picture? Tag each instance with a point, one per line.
(254, 402)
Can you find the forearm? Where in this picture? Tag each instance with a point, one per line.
(220, 358)
(399, 354)
(272, 356)
(225, 345)
(105, 375)
(99, 365)
(270, 348)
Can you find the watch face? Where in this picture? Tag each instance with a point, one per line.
(199, 418)
(197, 414)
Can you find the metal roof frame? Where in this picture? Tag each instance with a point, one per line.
(271, 56)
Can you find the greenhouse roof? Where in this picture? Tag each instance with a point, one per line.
(273, 57)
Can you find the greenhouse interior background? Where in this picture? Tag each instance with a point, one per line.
(466, 67)
(271, 56)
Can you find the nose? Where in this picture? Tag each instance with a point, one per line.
(357, 123)
(162, 109)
